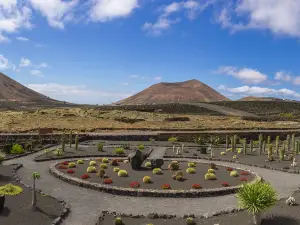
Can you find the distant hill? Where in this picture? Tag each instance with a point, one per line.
(190, 91)
(13, 93)
(254, 98)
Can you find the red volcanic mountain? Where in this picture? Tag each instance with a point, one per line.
(190, 91)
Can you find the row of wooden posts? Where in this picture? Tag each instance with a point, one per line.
(290, 144)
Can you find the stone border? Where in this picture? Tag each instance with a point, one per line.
(166, 216)
(66, 207)
(232, 161)
(147, 192)
(85, 156)
(27, 153)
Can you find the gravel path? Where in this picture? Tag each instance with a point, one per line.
(86, 205)
(157, 152)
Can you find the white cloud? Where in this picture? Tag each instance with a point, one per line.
(22, 39)
(42, 65)
(76, 93)
(57, 12)
(278, 16)
(36, 73)
(14, 15)
(296, 80)
(4, 39)
(133, 76)
(247, 75)
(191, 9)
(283, 76)
(260, 91)
(105, 10)
(157, 78)
(4, 63)
(25, 62)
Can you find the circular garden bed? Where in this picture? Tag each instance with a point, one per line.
(174, 179)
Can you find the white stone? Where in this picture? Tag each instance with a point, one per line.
(291, 201)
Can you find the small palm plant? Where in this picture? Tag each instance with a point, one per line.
(256, 198)
(35, 176)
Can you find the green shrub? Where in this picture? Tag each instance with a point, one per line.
(191, 164)
(126, 161)
(2, 157)
(119, 151)
(114, 162)
(256, 197)
(157, 171)
(104, 160)
(189, 221)
(72, 165)
(174, 165)
(123, 173)
(10, 189)
(147, 180)
(151, 139)
(190, 170)
(234, 157)
(179, 178)
(223, 153)
(92, 163)
(173, 139)
(229, 150)
(239, 151)
(210, 171)
(80, 161)
(100, 147)
(17, 149)
(103, 166)
(116, 169)
(141, 147)
(58, 152)
(148, 164)
(210, 176)
(91, 169)
(233, 173)
(118, 221)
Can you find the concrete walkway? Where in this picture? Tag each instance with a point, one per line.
(86, 205)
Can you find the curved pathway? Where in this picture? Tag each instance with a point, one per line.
(86, 205)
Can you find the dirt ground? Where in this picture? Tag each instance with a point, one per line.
(89, 120)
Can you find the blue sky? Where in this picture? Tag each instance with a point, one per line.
(100, 51)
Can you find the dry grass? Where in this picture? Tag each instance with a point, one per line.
(93, 120)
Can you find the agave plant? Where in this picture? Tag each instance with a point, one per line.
(256, 198)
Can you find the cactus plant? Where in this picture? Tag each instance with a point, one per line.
(245, 146)
(231, 142)
(260, 141)
(270, 152)
(63, 142)
(70, 139)
(76, 142)
(269, 140)
(281, 154)
(251, 146)
(264, 146)
(234, 142)
(288, 142)
(293, 143)
(277, 145)
(227, 142)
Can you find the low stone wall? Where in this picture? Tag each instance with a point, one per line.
(66, 208)
(146, 192)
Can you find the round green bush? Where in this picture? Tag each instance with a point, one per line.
(210, 176)
(123, 173)
(174, 165)
(210, 171)
(189, 221)
(80, 161)
(91, 169)
(104, 160)
(179, 178)
(233, 173)
(118, 221)
(190, 170)
(10, 189)
(148, 164)
(17, 149)
(179, 173)
(116, 169)
(223, 153)
(92, 163)
(119, 151)
(141, 147)
(157, 171)
(191, 164)
(103, 166)
(147, 180)
(71, 165)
